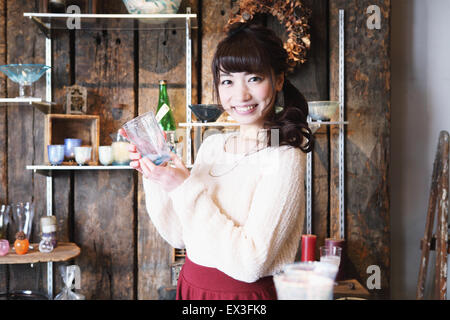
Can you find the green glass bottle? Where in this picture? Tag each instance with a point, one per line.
(164, 115)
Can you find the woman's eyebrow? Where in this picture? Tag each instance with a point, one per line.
(223, 73)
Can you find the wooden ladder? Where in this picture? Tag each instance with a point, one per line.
(439, 241)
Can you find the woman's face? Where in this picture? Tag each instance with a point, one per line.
(248, 97)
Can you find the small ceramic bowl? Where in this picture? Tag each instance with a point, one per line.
(322, 110)
(152, 6)
(82, 154)
(55, 154)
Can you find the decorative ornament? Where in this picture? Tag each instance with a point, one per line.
(76, 100)
(292, 14)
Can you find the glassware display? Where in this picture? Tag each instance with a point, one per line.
(105, 155)
(82, 154)
(55, 154)
(207, 112)
(152, 6)
(46, 245)
(23, 215)
(322, 110)
(4, 220)
(145, 132)
(71, 276)
(119, 149)
(4, 247)
(48, 229)
(69, 145)
(331, 255)
(312, 280)
(24, 74)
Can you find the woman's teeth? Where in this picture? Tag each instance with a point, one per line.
(244, 109)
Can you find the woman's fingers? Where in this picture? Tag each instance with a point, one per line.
(123, 133)
(178, 162)
(147, 167)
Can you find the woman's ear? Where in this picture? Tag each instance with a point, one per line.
(279, 82)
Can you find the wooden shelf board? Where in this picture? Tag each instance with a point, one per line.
(63, 252)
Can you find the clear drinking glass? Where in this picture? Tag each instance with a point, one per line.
(105, 155)
(4, 220)
(82, 154)
(145, 132)
(331, 255)
(306, 281)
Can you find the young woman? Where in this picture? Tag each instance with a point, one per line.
(239, 211)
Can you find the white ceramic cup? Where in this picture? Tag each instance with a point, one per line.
(105, 155)
(82, 154)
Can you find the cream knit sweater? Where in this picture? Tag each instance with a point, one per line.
(248, 222)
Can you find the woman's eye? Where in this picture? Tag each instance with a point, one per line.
(255, 78)
(226, 82)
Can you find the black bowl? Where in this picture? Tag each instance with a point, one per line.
(207, 112)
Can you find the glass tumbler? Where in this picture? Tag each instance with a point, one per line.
(145, 132)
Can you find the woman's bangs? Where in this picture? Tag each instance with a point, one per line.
(243, 58)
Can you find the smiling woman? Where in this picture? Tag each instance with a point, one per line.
(238, 212)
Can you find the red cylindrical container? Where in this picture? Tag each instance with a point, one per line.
(329, 242)
(308, 247)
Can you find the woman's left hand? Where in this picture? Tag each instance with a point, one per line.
(168, 177)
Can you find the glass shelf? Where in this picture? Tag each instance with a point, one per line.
(44, 106)
(65, 21)
(47, 169)
(208, 124)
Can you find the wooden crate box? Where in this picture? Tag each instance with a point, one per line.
(85, 127)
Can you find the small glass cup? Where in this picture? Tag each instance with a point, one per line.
(4, 247)
(82, 154)
(145, 132)
(331, 255)
(305, 281)
(55, 154)
(105, 155)
(69, 145)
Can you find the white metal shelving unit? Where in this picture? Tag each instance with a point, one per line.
(51, 21)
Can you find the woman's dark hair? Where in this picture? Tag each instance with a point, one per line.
(257, 49)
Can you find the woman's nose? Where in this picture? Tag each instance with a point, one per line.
(243, 93)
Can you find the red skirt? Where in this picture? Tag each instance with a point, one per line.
(197, 282)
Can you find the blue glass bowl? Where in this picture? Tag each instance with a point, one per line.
(69, 147)
(24, 74)
(207, 112)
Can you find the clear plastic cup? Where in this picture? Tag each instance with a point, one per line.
(306, 281)
(145, 132)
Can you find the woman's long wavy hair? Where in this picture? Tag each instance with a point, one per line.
(257, 49)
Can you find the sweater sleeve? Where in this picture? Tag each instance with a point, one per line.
(160, 210)
(245, 252)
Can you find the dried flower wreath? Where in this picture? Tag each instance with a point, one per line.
(290, 13)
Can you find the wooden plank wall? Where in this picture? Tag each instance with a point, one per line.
(122, 255)
(367, 99)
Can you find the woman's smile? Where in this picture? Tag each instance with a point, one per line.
(245, 109)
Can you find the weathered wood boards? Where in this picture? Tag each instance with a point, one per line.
(104, 218)
(367, 109)
(161, 57)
